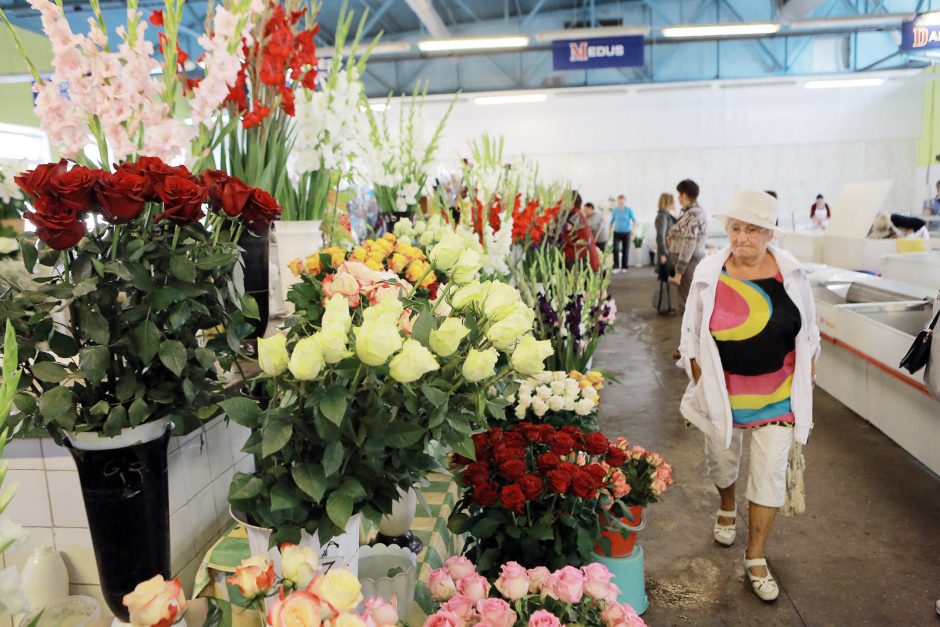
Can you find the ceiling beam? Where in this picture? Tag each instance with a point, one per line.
(429, 17)
(375, 17)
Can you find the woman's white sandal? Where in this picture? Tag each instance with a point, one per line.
(725, 534)
(764, 587)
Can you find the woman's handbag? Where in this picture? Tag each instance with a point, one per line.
(919, 352)
(932, 374)
(795, 502)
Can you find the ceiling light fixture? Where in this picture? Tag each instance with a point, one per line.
(589, 33)
(472, 43)
(513, 99)
(719, 30)
(385, 47)
(844, 82)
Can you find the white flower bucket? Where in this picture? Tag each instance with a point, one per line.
(376, 562)
(399, 522)
(341, 551)
(295, 239)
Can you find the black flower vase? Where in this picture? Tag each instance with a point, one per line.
(255, 260)
(128, 507)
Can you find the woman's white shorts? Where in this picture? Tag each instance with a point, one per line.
(767, 473)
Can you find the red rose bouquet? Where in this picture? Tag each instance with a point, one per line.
(535, 597)
(533, 495)
(141, 260)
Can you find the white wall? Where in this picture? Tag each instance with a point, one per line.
(794, 140)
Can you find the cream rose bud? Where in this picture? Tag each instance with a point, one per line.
(525, 389)
(388, 311)
(572, 387)
(155, 601)
(299, 608)
(539, 407)
(347, 620)
(445, 254)
(442, 308)
(272, 354)
(556, 403)
(254, 576)
(501, 300)
(339, 587)
(521, 411)
(505, 333)
(376, 342)
(529, 354)
(413, 362)
(543, 392)
(567, 404)
(480, 365)
(558, 388)
(584, 407)
(337, 313)
(306, 361)
(589, 392)
(446, 338)
(467, 267)
(470, 293)
(332, 341)
(298, 564)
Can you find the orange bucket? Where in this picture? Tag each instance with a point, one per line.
(620, 546)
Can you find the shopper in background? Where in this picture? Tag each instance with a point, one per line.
(910, 227)
(688, 238)
(622, 221)
(819, 208)
(664, 222)
(749, 346)
(600, 225)
(577, 238)
(932, 206)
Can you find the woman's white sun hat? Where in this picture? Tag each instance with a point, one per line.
(753, 207)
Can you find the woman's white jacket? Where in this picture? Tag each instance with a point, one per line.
(706, 403)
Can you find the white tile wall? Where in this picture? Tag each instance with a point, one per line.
(49, 502)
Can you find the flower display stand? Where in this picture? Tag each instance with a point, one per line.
(629, 575)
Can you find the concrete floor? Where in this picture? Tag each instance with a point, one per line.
(867, 550)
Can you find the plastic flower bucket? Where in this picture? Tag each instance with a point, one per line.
(621, 546)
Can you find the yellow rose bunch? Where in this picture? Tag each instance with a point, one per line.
(314, 265)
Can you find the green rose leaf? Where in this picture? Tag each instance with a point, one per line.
(310, 479)
(541, 532)
(282, 497)
(339, 508)
(182, 268)
(250, 307)
(404, 435)
(333, 404)
(119, 269)
(63, 345)
(85, 287)
(100, 408)
(205, 357)
(353, 488)
(163, 298)
(139, 411)
(333, 458)
(26, 403)
(423, 327)
(435, 396)
(94, 325)
(244, 487)
(465, 447)
(49, 371)
(485, 528)
(126, 386)
(58, 405)
(146, 339)
(242, 410)
(173, 356)
(28, 251)
(456, 522)
(274, 436)
(117, 420)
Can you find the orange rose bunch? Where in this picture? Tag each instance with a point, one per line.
(385, 257)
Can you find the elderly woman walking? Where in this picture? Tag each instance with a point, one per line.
(749, 345)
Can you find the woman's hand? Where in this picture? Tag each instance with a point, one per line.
(676, 278)
(696, 371)
(662, 259)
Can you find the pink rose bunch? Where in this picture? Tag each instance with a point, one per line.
(535, 596)
(635, 476)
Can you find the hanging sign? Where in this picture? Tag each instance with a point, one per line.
(598, 52)
(921, 33)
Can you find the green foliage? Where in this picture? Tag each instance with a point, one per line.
(112, 336)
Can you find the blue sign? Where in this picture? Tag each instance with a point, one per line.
(921, 33)
(598, 52)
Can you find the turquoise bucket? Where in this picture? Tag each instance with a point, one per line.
(629, 576)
